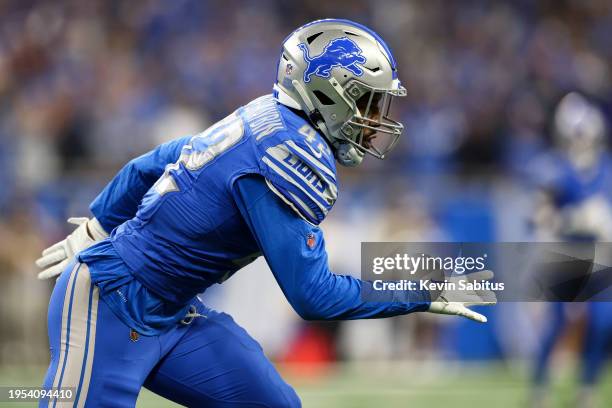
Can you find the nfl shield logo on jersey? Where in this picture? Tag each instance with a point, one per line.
(134, 336)
(310, 240)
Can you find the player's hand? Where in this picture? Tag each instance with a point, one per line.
(55, 258)
(455, 302)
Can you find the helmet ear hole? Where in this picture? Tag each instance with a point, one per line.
(323, 99)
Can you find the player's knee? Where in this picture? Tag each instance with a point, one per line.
(283, 397)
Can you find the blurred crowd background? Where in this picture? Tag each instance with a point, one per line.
(86, 85)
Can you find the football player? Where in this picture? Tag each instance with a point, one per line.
(194, 211)
(575, 204)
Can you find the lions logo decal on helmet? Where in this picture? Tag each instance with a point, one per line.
(340, 52)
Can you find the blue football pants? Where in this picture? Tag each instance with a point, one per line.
(210, 362)
(597, 341)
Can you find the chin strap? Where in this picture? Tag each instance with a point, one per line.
(347, 155)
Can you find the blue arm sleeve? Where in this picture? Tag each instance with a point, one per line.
(119, 200)
(295, 251)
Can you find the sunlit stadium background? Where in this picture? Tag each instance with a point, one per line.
(86, 85)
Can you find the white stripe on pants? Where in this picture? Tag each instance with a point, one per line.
(77, 337)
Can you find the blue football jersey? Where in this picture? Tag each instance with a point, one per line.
(188, 230)
(257, 183)
(569, 186)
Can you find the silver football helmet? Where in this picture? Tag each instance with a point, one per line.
(580, 130)
(344, 77)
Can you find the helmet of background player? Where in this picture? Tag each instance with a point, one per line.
(580, 130)
(344, 77)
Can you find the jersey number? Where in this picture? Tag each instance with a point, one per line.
(317, 148)
(202, 149)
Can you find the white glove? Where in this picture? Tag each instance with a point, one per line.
(55, 258)
(463, 298)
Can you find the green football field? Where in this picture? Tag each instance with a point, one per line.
(383, 385)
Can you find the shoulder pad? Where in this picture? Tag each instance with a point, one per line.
(299, 167)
